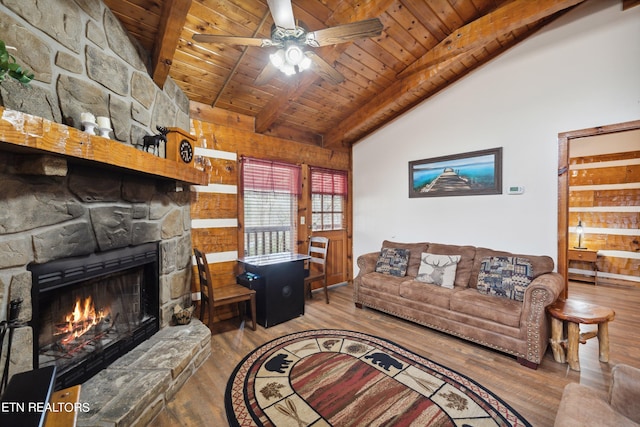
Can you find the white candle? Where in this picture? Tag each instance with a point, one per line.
(104, 122)
(87, 117)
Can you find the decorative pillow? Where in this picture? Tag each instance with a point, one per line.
(504, 276)
(438, 269)
(393, 261)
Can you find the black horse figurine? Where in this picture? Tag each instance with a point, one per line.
(153, 141)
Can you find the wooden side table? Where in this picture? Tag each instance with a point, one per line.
(586, 255)
(572, 313)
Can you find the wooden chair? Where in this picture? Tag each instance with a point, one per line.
(318, 249)
(224, 295)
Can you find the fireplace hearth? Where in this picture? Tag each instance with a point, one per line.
(91, 310)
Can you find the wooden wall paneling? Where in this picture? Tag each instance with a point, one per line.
(626, 197)
(214, 205)
(267, 147)
(622, 219)
(610, 241)
(214, 217)
(623, 174)
(205, 116)
(211, 240)
(622, 266)
(581, 198)
(606, 157)
(604, 194)
(224, 171)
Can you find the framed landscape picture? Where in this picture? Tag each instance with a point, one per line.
(465, 174)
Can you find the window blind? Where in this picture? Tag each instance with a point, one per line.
(265, 175)
(328, 181)
(270, 195)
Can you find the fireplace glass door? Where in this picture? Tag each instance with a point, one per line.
(83, 326)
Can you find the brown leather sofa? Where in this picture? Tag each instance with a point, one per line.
(583, 406)
(519, 328)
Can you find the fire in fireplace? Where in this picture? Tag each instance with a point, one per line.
(90, 310)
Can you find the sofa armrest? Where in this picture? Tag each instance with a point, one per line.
(552, 284)
(367, 262)
(540, 293)
(624, 393)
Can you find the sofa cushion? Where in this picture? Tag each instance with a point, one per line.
(393, 261)
(416, 291)
(415, 250)
(438, 269)
(500, 310)
(541, 264)
(465, 265)
(382, 282)
(506, 277)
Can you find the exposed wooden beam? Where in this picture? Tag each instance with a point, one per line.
(503, 20)
(219, 116)
(344, 14)
(628, 4)
(414, 81)
(174, 16)
(393, 101)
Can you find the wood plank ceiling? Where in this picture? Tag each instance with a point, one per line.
(425, 46)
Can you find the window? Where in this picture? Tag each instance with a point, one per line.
(328, 199)
(270, 193)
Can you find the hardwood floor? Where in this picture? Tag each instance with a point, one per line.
(535, 394)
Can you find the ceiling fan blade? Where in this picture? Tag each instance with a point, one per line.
(345, 33)
(282, 13)
(245, 41)
(324, 69)
(267, 73)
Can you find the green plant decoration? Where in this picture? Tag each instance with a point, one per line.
(9, 67)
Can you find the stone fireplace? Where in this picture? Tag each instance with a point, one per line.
(73, 211)
(86, 246)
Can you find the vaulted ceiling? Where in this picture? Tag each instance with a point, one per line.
(424, 46)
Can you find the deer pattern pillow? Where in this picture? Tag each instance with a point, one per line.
(438, 269)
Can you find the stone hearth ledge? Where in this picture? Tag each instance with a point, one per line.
(136, 387)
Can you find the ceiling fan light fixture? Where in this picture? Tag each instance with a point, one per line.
(288, 69)
(290, 60)
(305, 64)
(294, 54)
(278, 58)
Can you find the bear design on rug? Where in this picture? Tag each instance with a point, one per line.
(384, 361)
(278, 363)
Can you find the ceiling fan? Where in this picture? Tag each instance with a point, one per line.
(292, 40)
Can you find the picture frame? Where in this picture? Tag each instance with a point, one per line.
(465, 174)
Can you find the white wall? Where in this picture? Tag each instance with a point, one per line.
(580, 72)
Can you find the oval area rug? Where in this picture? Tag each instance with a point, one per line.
(345, 378)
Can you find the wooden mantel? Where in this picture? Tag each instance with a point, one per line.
(26, 133)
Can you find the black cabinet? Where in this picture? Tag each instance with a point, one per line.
(278, 280)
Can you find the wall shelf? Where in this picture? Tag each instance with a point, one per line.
(26, 133)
